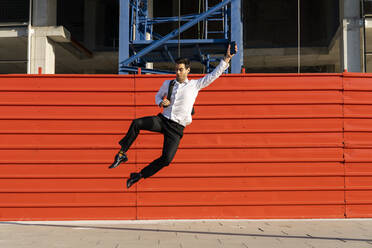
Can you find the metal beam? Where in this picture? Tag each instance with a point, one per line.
(237, 35)
(169, 54)
(183, 18)
(123, 31)
(184, 41)
(143, 70)
(174, 33)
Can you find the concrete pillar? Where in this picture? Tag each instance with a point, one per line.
(351, 23)
(42, 53)
(44, 13)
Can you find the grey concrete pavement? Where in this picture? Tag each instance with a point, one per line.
(188, 233)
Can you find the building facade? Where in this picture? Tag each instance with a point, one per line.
(82, 36)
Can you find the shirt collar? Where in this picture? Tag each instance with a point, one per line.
(186, 81)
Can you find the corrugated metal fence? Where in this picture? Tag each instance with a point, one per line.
(358, 144)
(260, 146)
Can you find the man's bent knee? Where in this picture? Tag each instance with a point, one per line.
(136, 122)
(165, 161)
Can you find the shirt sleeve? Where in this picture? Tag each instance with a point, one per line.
(163, 91)
(209, 78)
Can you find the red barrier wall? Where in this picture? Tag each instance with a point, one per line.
(260, 146)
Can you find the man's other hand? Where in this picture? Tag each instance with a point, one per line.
(165, 103)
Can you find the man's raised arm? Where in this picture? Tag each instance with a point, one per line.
(224, 64)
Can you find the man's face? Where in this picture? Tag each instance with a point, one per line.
(181, 72)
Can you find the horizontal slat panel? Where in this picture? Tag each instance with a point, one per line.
(238, 140)
(358, 182)
(65, 170)
(358, 168)
(270, 97)
(60, 156)
(68, 83)
(358, 139)
(169, 199)
(258, 111)
(242, 212)
(358, 155)
(66, 113)
(239, 198)
(63, 185)
(68, 213)
(277, 82)
(358, 111)
(198, 126)
(174, 170)
(241, 184)
(248, 155)
(266, 125)
(178, 184)
(359, 197)
(50, 141)
(123, 199)
(361, 125)
(358, 97)
(245, 140)
(246, 82)
(67, 98)
(255, 97)
(67, 199)
(357, 83)
(152, 83)
(64, 126)
(359, 211)
(250, 169)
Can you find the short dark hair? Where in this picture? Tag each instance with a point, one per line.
(184, 61)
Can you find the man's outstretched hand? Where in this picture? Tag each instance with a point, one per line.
(228, 55)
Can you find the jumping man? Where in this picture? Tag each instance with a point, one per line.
(175, 117)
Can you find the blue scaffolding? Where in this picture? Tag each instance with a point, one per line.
(135, 24)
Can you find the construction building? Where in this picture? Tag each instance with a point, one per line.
(84, 36)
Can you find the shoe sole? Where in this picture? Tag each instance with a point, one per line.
(129, 185)
(114, 166)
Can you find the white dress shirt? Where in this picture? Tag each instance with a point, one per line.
(184, 95)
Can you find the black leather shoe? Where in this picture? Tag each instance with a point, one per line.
(134, 177)
(118, 160)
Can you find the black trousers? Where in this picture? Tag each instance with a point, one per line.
(172, 132)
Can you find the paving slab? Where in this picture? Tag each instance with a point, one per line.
(338, 233)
